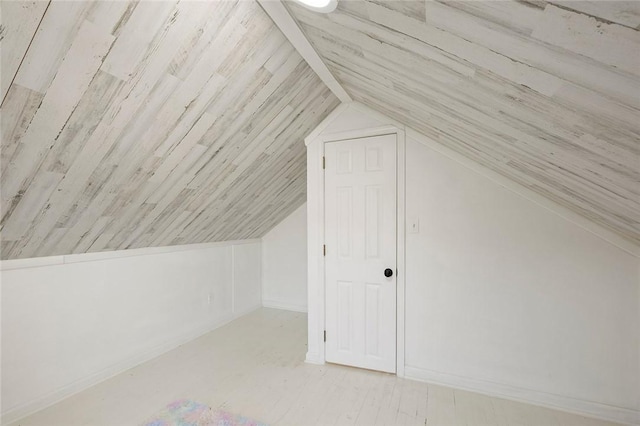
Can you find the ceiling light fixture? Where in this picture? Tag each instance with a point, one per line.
(322, 6)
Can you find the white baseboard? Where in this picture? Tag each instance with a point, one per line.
(558, 402)
(277, 304)
(242, 312)
(313, 358)
(30, 407)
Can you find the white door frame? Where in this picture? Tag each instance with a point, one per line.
(316, 231)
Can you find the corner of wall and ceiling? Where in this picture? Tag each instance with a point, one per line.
(288, 24)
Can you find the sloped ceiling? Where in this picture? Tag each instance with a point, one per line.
(546, 93)
(129, 124)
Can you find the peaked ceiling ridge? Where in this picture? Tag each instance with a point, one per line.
(283, 19)
(289, 25)
(552, 125)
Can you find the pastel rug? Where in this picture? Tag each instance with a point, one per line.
(191, 413)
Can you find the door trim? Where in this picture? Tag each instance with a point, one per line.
(316, 240)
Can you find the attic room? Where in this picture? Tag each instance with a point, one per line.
(320, 212)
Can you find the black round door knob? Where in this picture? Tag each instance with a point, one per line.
(388, 272)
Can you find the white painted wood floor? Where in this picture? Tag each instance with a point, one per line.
(254, 367)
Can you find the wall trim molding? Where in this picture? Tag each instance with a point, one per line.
(34, 262)
(360, 133)
(314, 358)
(315, 231)
(557, 402)
(286, 306)
(78, 386)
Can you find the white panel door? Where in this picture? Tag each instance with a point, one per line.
(360, 236)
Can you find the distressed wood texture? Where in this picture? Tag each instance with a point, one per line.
(546, 93)
(258, 370)
(139, 124)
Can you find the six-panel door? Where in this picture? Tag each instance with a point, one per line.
(360, 236)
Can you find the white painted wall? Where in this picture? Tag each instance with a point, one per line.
(284, 263)
(247, 277)
(508, 293)
(76, 320)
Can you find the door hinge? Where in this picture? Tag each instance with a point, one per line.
(323, 163)
(325, 335)
(324, 250)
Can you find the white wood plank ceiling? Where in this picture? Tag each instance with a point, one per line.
(545, 93)
(138, 124)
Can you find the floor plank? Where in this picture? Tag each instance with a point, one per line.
(255, 367)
